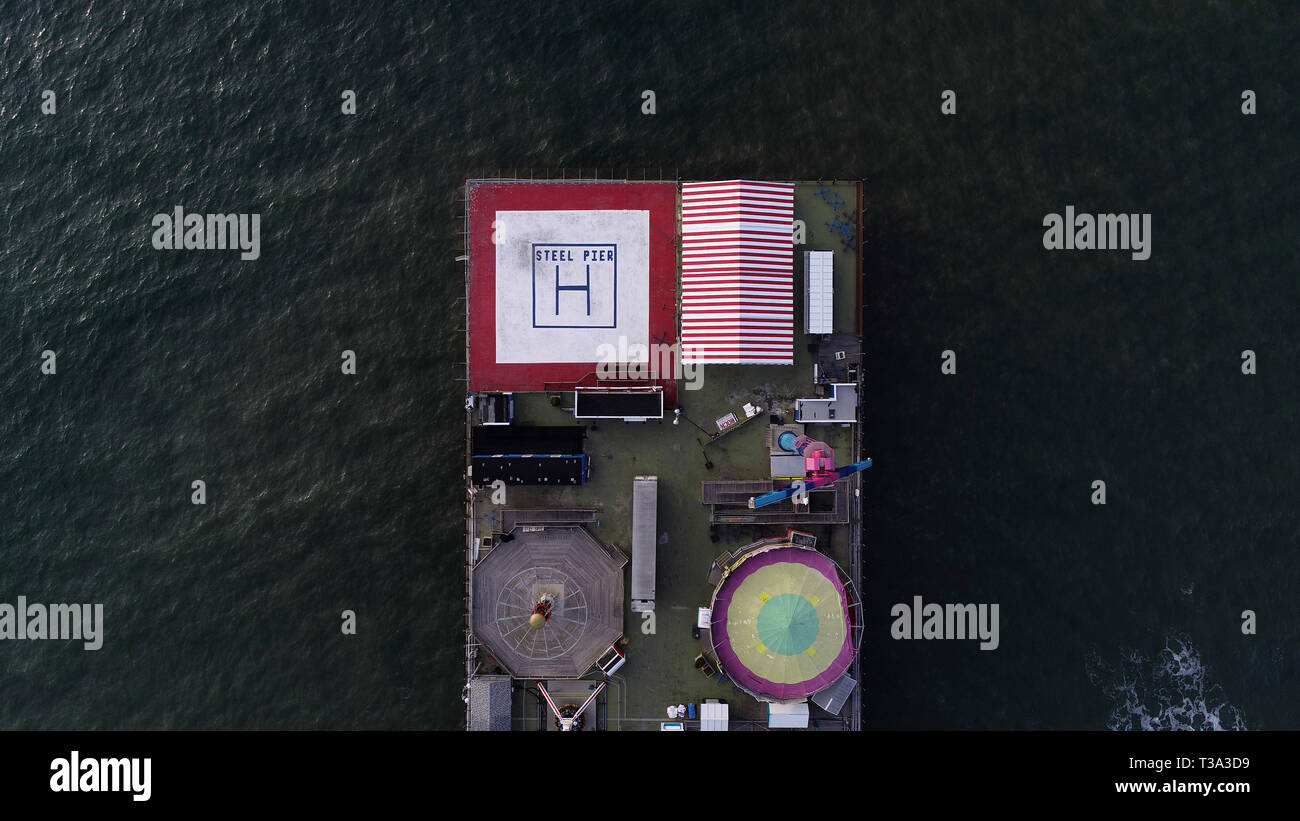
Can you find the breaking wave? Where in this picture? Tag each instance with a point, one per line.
(1169, 692)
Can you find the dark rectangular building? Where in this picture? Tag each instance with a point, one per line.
(530, 469)
(549, 439)
(632, 405)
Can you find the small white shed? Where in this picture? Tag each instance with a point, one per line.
(714, 716)
(794, 716)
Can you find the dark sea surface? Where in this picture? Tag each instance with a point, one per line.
(328, 492)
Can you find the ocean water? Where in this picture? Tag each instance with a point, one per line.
(1169, 692)
(328, 492)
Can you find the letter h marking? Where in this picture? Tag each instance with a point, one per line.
(559, 287)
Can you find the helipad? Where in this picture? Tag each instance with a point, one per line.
(563, 276)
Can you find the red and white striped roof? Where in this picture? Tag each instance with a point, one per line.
(738, 272)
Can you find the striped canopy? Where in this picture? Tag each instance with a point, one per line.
(737, 272)
(780, 623)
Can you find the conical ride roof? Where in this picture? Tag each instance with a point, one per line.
(780, 623)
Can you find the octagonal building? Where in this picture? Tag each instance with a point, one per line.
(548, 602)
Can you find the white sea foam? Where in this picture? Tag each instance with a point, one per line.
(1168, 693)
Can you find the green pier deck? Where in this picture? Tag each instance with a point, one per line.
(660, 667)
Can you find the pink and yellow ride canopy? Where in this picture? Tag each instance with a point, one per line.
(780, 623)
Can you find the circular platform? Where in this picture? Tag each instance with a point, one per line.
(780, 622)
(560, 632)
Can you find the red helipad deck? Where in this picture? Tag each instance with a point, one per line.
(565, 276)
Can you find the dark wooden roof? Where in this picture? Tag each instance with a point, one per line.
(585, 579)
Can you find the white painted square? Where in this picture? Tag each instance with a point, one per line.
(568, 282)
